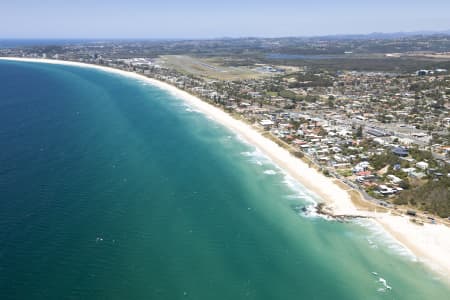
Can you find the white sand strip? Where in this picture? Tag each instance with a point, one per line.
(429, 242)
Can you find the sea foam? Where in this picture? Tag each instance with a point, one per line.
(378, 236)
(256, 157)
(270, 172)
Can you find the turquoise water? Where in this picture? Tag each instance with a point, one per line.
(113, 189)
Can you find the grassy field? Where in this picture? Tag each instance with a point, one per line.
(208, 68)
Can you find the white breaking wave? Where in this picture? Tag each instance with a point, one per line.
(378, 236)
(188, 109)
(300, 192)
(386, 286)
(270, 172)
(256, 157)
(243, 140)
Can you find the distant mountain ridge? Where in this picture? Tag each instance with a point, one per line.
(12, 43)
(386, 35)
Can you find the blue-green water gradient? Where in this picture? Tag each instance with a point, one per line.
(114, 189)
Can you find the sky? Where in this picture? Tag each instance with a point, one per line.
(215, 19)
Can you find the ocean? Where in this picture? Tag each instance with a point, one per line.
(111, 188)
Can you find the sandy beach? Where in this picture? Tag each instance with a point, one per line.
(430, 243)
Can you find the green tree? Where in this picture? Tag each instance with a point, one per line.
(331, 101)
(359, 132)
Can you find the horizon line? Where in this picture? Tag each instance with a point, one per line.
(411, 33)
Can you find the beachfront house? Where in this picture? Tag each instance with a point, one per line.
(267, 124)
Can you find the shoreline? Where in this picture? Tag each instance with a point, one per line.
(430, 243)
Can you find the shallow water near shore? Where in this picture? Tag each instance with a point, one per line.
(114, 189)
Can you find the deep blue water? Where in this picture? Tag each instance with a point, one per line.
(16, 43)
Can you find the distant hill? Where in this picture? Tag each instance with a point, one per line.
(385, 35)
